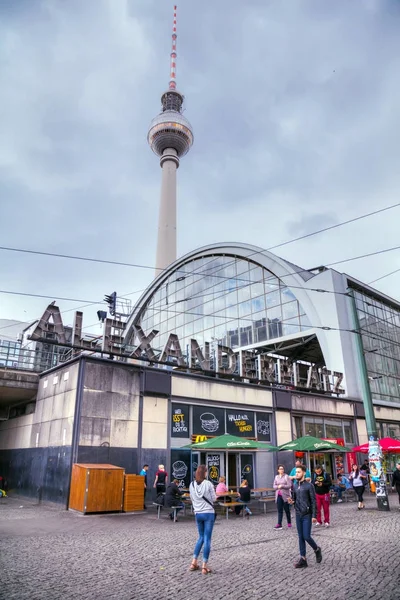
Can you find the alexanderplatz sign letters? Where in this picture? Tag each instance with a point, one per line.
(225, 361)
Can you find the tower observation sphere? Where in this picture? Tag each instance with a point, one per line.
(170, 136)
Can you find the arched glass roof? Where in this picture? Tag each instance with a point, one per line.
(226, 299)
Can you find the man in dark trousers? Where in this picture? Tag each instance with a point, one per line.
(143, 472)
(322, 482)
(306, 510)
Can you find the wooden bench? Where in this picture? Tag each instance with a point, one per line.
(265, 501)
(160, 507)
(228, 505)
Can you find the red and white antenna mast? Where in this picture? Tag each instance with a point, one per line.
(172, 75)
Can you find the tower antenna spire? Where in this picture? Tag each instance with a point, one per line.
(170, 136)
(172, 74)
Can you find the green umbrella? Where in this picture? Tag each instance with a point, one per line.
(230, 442)
(308, 443)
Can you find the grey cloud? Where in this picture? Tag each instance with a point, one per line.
(295, 118)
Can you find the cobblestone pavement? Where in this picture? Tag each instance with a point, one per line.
(48, 553)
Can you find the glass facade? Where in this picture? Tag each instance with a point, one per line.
(380, 333)
(223, 299)
(324, 428)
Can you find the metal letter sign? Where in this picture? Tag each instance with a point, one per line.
(112, 343)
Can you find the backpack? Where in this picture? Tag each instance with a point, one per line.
(160, 499)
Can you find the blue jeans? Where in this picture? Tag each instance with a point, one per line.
(205, 524)
(304, 532)
(339, 490)
(238, 509)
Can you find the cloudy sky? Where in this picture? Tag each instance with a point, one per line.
(295, 110)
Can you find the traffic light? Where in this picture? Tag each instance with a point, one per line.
(112, 303)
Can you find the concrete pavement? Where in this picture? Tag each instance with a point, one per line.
(48, 553)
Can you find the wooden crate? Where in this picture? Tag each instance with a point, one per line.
(133, 493)
(96, 488)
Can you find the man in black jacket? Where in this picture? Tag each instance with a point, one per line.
(306, 510)
(172, 498)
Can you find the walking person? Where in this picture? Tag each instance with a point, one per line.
(283, 486)
(202, 495)
(358, 480)
(322, 482)
(306, 510)
(143, 472)
(396, 480)
(160, 482)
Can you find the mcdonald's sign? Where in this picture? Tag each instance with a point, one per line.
(199, 438)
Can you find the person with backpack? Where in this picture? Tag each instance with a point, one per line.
(202, 495)
(322, 483)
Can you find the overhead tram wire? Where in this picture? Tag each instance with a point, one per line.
(68, 299)
(260, 251)
(248, 282)
(222, 295)
(384, 276)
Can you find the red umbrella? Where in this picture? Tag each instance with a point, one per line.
(387, 444)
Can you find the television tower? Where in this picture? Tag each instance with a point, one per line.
(170, 136)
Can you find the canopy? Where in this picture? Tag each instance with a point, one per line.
(308, 443)
(388, 445)
(231, 442)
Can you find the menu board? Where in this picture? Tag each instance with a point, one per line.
(263, 427)
(208, 421)
(180, 467)
(180, 421)
(213, 467)
(240, 423)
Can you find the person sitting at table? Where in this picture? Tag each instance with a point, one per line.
(222, 490)
(244, 498)
(173, 498)
(342, 484)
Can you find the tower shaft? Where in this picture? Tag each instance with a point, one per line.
(166, 239)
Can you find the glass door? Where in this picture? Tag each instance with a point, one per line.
(247, 468)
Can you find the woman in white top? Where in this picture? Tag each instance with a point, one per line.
(359, 482)
(202, 495)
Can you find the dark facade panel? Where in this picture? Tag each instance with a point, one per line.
(282, 399)
(38, 472)
(359, 410)
(157, 383)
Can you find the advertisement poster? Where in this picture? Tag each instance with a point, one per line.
(263, 427)
(375, 461)
(208, 421)
(213, 467)
(180, 421)
(180, 467)
(240, 423)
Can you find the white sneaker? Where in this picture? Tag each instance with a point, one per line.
(327, 525)
(317, 524)
(339, 501)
